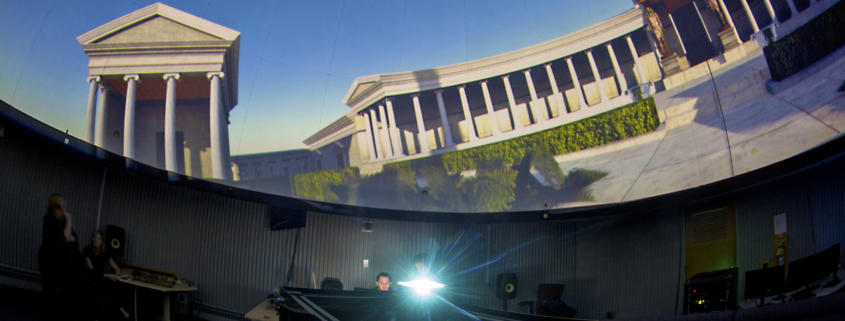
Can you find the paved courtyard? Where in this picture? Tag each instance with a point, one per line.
(692, 147)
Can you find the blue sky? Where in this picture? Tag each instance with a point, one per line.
(298, 58)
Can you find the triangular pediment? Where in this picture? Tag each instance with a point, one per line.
(156, 23)
(157, 29)
(362, 88)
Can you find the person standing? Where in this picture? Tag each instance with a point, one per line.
(55, 262)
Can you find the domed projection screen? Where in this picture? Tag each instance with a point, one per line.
(472, 106)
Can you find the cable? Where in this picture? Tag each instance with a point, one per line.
(293, 257)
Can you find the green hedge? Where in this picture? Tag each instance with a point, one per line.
(628, 121)
(808, 44)
(311, 185)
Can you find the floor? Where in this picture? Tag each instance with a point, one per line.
(716, 128)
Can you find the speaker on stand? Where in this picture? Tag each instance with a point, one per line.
(505, 288)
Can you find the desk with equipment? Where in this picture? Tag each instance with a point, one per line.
(367, 304)
(815, 275)
(156, 280)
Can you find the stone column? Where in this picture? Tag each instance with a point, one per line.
(385, 133)
(623, 84)
(91, 118)
(750, 15)
(467, 114)
(637, 65)
(129, 116)
(376, 135)
(533, 92)
(394, 130)
(657, 53)
(444, 118)
(792, 8)
(561, 108)
(771, 10)
(370, 148)
(170, 123)
(216, 118)
(582, 103)
(517, 123)
(420, 124)
(101, 134)
(494, 121)
(728, 17)
(596, 75)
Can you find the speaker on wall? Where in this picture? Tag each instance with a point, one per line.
(285, 218)
(115, 240)
(506, 286)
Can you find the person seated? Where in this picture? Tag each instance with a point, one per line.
(95, 260)
(421, 264)
(383, 282)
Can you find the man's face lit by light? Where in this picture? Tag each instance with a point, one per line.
(422, 286)
(383, 283)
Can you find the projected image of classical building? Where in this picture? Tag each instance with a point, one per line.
(663, 97)
(162, 83)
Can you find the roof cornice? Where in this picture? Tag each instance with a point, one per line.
(415, 81)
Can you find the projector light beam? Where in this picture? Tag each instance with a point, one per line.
(422, 286)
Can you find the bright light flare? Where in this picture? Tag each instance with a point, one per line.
(422, 286)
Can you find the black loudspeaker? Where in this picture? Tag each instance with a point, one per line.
(285, 218)
(331, 284)
(506, 286)
(115, 241)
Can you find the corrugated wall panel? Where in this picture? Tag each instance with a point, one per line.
(628, 265)
(29, 172)
(537, 252)
(222, 244)
(755, 227)
(826, 198)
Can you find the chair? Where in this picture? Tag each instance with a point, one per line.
(548, 302)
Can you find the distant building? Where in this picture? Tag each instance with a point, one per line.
(167, 81)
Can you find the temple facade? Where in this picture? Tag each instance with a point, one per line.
(162, 83)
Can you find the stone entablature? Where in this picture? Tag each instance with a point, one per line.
(369, 89)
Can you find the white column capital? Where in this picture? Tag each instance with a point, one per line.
(175, 75)
(505, 76)
(548, 64)
(628, 36)
(526, 71)
(438, 91)
(133, 76)
(415, 95)
(608, 44)
(388, 99)
(588, 51)
(483, 82)
(462, 86)
(94, 78)
(568, 58)
(211, 74)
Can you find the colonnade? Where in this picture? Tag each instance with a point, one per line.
(97, 119)
(386, 144)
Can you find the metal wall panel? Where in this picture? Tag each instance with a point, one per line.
(30, 171)
(628, 265)
(538, 252)
(755, 226)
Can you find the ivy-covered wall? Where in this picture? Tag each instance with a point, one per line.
(808, 44)
(628, 121)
